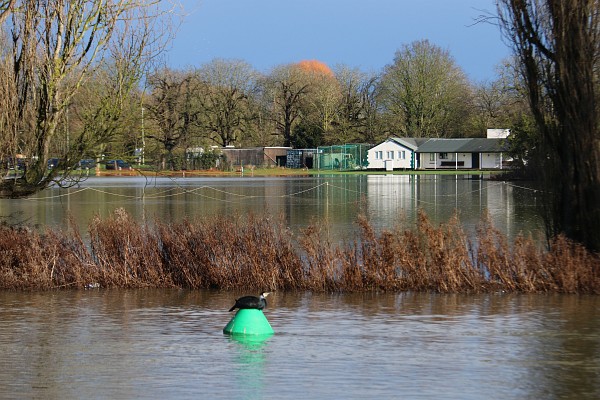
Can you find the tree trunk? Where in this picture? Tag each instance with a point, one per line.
(557, 43)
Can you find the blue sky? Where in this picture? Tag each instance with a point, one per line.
(359, 33)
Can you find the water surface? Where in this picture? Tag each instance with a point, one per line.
(386, 200)
(169, 344)
(159, 344)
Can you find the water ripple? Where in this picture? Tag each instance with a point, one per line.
(169, 344)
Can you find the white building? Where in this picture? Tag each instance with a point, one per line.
(394, 153)
(474, 153)
(427, 153)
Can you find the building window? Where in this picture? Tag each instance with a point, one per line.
(443, 156)
(390, 155)
(431, 156)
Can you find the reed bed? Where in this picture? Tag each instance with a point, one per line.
(256, 253)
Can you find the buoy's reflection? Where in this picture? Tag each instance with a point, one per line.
(250, 341)
(250, 363)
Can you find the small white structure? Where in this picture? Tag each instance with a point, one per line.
(394, 153)
(498, 133)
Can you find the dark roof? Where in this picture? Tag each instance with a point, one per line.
(485, 145)
(470, 145)
(442, 145)
(411, 143)
(457, 145)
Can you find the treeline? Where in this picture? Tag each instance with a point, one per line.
(82, 80)
(421, 93)
(256, 253)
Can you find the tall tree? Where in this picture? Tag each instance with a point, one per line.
(320, 104)
(286, 89)
(225, 95)
(358, 109)
(426, 92)
(53, 48)
(502, 102)
(173, 108)
(558, 45)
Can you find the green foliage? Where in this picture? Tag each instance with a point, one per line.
(425, 92)
(206, 160)
(306, 136)
(525, 144)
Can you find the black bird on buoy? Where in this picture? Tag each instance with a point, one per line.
(251, 302)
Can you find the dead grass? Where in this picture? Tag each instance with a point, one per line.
(255, 253)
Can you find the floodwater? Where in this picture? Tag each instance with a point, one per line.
(386, 200)
(157, 344)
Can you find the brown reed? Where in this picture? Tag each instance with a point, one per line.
(258, 253)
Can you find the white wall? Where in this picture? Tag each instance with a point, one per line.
(486, 160)
(498, 133)
(389, 154)
(427, 163)
(491, 160)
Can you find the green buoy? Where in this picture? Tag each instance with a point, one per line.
(249, 321)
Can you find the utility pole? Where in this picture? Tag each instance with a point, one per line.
(143, 139)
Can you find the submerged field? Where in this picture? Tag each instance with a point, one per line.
(262, 253)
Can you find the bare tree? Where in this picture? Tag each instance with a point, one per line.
(557, 44)
(172, 108)
(6, 7)
(286, 89)
(322, 102)
(52, 49)
(501, 102)
(357, 114)
(226, 93)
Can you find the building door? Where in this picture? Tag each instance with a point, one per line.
(308, 162)
(475, 160)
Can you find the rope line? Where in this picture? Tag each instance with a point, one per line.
(57, 196)
(237, 197)
(522, 187)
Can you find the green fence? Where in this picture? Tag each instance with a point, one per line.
(342, 157)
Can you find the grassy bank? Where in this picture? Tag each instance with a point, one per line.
(253, 253)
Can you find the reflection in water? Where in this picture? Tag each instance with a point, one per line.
(250, 365)
(394, 197)
(385, 199)
(169, 344)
